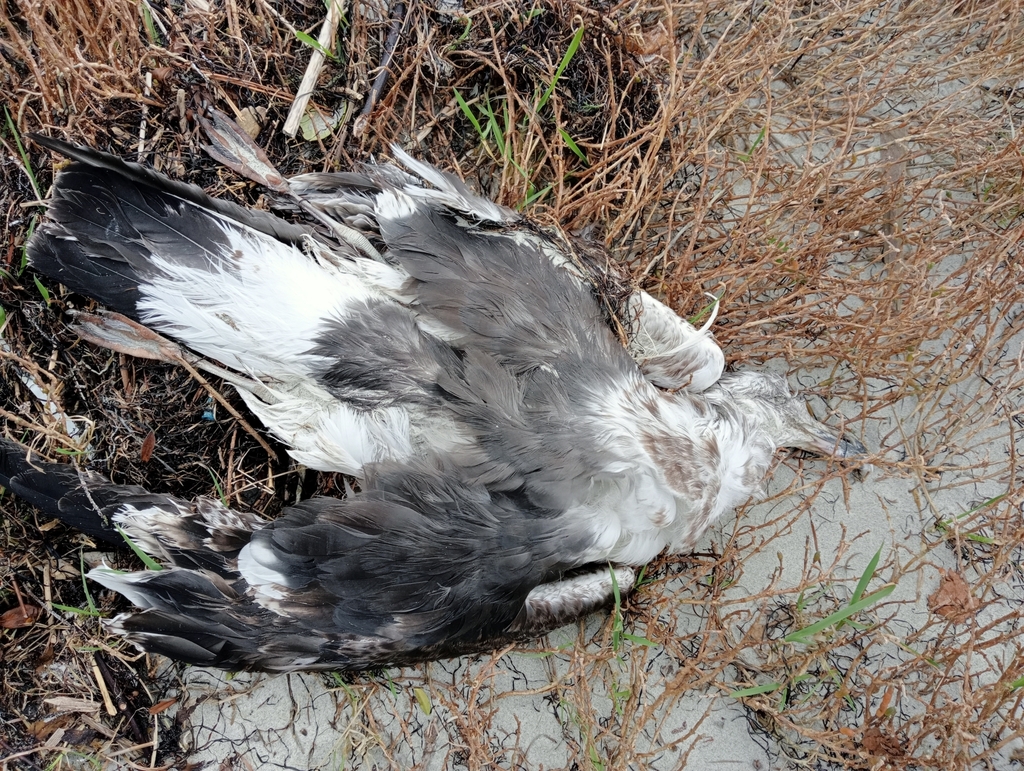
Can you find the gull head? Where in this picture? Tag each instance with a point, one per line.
(785, 418)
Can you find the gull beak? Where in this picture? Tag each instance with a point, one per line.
(823, 440)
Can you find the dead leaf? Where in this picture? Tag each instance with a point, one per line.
(953, 598)
(148, 445)
(43, 729)
(880, 744)
(161, 706)
(22, 616)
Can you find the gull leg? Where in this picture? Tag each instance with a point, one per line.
(552, 605)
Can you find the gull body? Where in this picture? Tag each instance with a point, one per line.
(450, 355)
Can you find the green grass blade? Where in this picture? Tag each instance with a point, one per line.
(26, 162)
(616, 611)
(494, 127)
(981, 506)
(85, 586)
(745, 157)
(638, 640)
(217, 485)
(148, 561)
(42, 289)
(754, 690)
(149, 24)
(574, 45)
(313, 43)
(703, 313)
(24, 248)
(866, 576)
(536, 196)
(77, 611)
(468, 112)
(571, 144)
(944, 524)
(840, 615)
(642, 578)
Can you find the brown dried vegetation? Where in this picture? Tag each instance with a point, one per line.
(849, 174)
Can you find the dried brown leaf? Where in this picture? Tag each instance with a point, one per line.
(162, 706)
(953, 598)
(22, 616)
(148, 445)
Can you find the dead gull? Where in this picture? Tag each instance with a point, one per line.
(449, 354)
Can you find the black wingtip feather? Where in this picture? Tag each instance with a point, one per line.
(57, 490)
(110, 282)
(262, 221)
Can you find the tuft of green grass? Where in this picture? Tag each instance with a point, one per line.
(492, 121)
(857, 603)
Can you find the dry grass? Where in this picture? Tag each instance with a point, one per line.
(850, 174)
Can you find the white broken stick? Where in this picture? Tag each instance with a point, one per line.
(316, 63)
